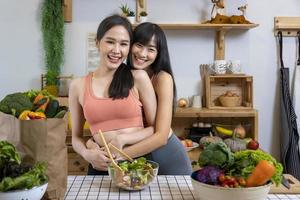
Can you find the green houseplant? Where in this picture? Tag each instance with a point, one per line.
(143, 16)
(53, 41)
(128, 13)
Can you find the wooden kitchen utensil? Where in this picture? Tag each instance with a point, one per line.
(120, 152)
(115, 165)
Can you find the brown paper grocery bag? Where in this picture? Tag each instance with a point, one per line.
(40, 140)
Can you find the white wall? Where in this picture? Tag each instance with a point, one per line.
(21, 54)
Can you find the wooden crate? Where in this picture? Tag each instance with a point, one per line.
(217, 85)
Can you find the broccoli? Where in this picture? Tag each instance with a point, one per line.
(15, 104)
(216, 154)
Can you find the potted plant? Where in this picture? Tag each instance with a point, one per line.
(126, 12)
(143, 16)
(53, 42)
(131, 17)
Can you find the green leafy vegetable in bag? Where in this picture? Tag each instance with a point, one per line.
(15, 104)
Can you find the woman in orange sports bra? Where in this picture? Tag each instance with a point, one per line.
(112, 97)
(149, 52)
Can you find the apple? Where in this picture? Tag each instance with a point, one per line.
(253, 145)
(189, 142)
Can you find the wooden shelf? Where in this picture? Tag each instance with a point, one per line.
(204, 112)
(184, 26)
(244, 115)
(289, 26)
(220, 29)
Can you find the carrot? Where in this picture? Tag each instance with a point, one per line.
(261, 174)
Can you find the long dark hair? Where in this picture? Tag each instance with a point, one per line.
(143, 34)
(122, 80)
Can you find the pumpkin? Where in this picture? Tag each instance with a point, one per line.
(206, 140)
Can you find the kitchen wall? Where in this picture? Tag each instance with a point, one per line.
(21, 53)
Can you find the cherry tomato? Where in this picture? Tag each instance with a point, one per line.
(221, 178)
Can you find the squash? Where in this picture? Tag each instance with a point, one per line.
(43, 107)
(40, 103)
(39, 97)
(206, 140)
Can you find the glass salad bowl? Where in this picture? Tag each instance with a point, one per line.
(135, 175)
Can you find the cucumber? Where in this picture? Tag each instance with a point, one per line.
(60, 114)
(52, 108)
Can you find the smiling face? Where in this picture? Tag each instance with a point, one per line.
(114, 47)
(143, 55)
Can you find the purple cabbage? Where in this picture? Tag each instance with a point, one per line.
(208, 175)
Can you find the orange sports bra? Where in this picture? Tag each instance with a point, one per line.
(108, 114)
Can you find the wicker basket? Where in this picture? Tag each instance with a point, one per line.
(230, 101)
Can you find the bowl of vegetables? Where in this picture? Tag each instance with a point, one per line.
(136, 175)
(36, 192)
(20, 180)
(244, 175)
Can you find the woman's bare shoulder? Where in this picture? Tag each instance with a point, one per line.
(77, 82)
(163, 77)
(140, 75)
(77, 86)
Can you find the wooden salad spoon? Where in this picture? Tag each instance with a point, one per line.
(115, 165)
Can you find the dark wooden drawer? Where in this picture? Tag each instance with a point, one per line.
(76, 164)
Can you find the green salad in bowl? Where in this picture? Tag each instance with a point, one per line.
(135, 175)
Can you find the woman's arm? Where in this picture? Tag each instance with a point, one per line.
(132, 138)
(146, 95)
(119, 140)
(164, 92)
(96, 157)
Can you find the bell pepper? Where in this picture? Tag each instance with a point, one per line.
(37, 115)
(24, 115)
(29, 115)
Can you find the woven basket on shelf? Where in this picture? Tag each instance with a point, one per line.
(230, 101)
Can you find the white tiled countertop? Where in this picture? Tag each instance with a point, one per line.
(164, 187)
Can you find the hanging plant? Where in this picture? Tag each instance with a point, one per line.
(53, 39)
